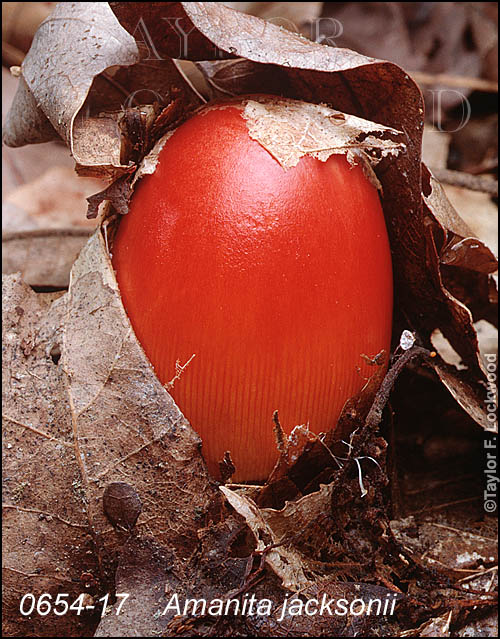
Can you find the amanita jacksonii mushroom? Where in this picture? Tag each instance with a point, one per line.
(277, 279)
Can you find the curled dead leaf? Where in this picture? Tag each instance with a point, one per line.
(103, 384)
(96, 416)
(82, 71)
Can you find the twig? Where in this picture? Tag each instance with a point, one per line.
(487, 164)
(115, 84)
(182, 70)
(278, 433)
(482, 183)
(465, 533)
(478, 573)
(374, 416)
(456, 81)
(446, 505)
(438, 484)
(472, 603)
(178, 371)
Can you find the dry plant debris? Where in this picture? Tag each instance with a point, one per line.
(104, 483)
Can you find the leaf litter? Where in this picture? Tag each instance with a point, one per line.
(104, 384)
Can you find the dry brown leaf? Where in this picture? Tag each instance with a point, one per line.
(145, 569)
(43, 258)
(85, 41)
(64, 91)
(291, 130)
(487, 626)
(435, 627)
(478, 211)
(469, 253)
(26, 164)
(435, 147)
(55, 199)
(291, 449)
(451, 38)
(101, 416)
(461, 553)
(98, 416)
(274, 531)
(466, 263)
(25, 123)
(469, 396)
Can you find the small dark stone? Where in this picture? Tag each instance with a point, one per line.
(122, 505)
(55, 353)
